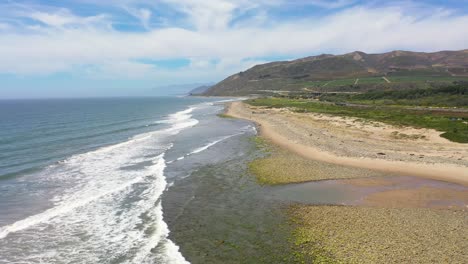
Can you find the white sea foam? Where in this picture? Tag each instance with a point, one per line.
(59, 210)
(164, 121)
(254, 130)
(231, 100)
(205, 147)
(181, 115)
(161, 231)
(105, 211)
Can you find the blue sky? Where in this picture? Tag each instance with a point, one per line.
(87, 48)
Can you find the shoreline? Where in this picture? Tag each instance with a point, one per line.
(355, 211)
(438, 171)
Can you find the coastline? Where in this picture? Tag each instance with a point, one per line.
(284, 130)
(360, 210)
(218, 213)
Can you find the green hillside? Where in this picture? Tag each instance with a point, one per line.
(352, 72)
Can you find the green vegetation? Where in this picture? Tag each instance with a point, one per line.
(275, 168)
(453, 124)
(309, 247)
(225, 116)
(332, 73)
(367, 83)
(346, 234)
(345, 82)
(262, 144)
(449, 96)
(422, 78)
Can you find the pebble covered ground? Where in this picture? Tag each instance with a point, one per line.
(343, 234)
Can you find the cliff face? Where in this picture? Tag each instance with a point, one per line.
(285, 75)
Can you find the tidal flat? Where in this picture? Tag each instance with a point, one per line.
(335, 221)
(351, 234)
(341, 214)
(280, 166)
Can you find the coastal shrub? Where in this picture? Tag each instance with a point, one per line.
(452, 124)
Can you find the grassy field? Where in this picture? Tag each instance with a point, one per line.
(454, 127)
(371, 80)
(435, 101)
(344, 82)
(448, 96)
(426, 78)
(398, 82)
(421, 81)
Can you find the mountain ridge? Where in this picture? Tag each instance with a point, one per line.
(288, 75)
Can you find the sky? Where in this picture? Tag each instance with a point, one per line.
(91, 48)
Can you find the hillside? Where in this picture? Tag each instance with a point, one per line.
(354, 71)
(199, 90)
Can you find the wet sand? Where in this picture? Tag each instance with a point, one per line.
(388, 192)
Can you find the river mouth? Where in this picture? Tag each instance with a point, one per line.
(387, 191)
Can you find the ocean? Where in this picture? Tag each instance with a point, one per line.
(105, 180)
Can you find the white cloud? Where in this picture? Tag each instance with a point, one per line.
(207, 14)
(47, 17)
(123, 69)
(67, 42)
(201, 63)
(330, 4)
(4, 26)
(142, 14)
(58, 19)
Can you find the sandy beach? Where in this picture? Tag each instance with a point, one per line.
(395, 194)
(360, 143)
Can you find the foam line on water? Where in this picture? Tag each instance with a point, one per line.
(59, 210)
(160, 236)
(180, 120)
(117, 210)
(205, 147)
(67, 204)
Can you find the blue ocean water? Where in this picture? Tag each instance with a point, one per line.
(81, 180)
(34, 133)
